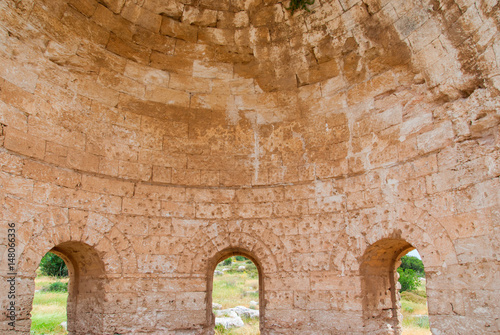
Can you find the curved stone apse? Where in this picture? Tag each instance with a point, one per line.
(146, 139)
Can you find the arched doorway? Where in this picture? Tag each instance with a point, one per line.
(86, 278)
(235, 294)
(381, 289)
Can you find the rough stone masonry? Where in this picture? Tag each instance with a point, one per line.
(145, 140)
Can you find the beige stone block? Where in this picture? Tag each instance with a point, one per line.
(80, 24)
(162, 159)
(107, 186)
(173, 9)
(167, 96)
(136, 171)
(178, 209)
(129, 50)
(172, 64)
(185, 176)
(147, 207)
(154, 40)
(162, 174)
(423, 36)
(115, 23)
(24, 143)
(199, 16)
(438, 138)
(142, 17)
(216, 36)
(212, 70)
(183, 31)
(16, 186)
(255, 210)
(213, 211)
(13, 117)
(88, 87)
(121, 83)
(86, 7)
(209, 178)
(160, 192)
(18, 75)
(46, 173)
(189, 301)
(190, 84)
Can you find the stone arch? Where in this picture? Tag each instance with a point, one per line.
(90, 257)
(386, 244)
(85, 306)
(242, 241)
(378, 282)
(212, 264)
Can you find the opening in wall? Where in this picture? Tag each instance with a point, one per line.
(82, 304)
(48, 315)
(394, 288)
(235, 296)
(413, 294)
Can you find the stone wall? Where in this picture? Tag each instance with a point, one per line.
(142, 140)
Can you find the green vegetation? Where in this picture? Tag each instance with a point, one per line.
(299, 4)
(53, 266)
(408, 279)
(410, 272)
(49, 305)
(414, 263)
(57, 287)
(237, 288)
(413, 296)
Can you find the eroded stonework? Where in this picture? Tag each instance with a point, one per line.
(145, 140)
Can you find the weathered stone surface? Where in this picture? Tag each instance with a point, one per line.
(143, 140)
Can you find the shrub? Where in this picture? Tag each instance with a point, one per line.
(227, 261)
(240, 258)
(57, 287)
(408, 279)
(52, 265)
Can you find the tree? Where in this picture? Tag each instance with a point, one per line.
(413, 263)
(52, 265)
(408, 279)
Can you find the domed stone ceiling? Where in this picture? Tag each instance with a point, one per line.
(160, 135)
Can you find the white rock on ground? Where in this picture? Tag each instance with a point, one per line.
(240, 311)
(216, 305)
(218, 273)
(64, 324)
(232, 320)
(246, 312)
(241, 268)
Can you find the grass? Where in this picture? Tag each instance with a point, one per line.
(414, 310)
(49, 308)
(235, 288)
(231, 289)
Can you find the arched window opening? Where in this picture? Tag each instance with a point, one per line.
(48, 315)
(82, 303)
(236, 296)
(395, 300)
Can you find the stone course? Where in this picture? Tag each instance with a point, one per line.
(144, 141)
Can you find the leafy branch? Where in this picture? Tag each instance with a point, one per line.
(300, 4)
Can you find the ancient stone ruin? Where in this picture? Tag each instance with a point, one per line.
(145, 140)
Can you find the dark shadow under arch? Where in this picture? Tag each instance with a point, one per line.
(219, 257)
